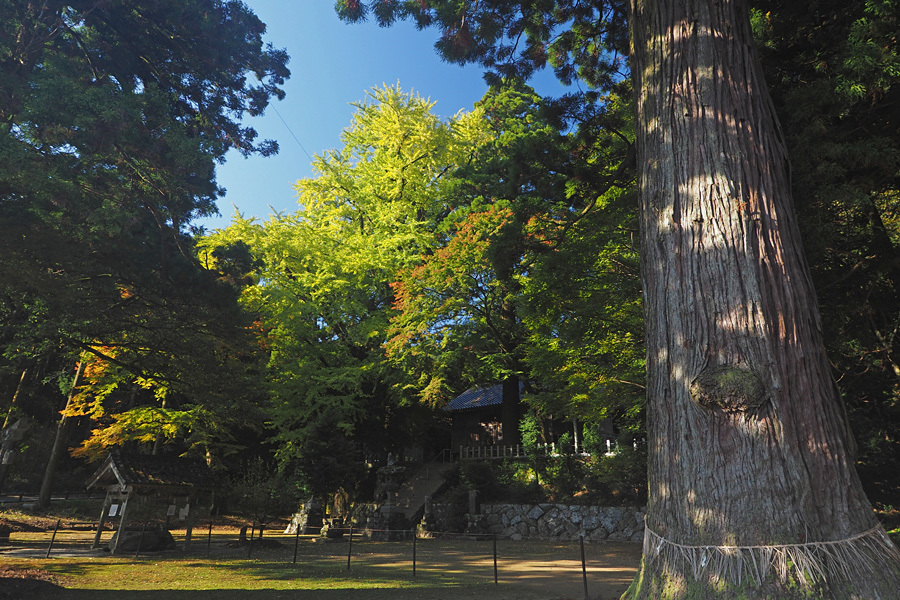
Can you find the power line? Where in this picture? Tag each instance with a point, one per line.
(296, 139)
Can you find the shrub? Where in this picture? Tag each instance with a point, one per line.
(262, 493)
(502, 481)
(619, 478)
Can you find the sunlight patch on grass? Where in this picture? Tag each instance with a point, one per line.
(190, 574)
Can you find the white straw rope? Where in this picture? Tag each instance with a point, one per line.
(809, 563)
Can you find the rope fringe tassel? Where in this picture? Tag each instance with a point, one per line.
(810, 563)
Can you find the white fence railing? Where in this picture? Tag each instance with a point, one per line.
(501, 451)
(491, 452)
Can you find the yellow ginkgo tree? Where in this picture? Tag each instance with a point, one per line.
(323, 298)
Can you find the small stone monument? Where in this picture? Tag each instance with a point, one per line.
(389, 522)
(309, 520)
(474, 503)
(429, 522)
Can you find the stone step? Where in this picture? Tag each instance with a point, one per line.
(425, 482)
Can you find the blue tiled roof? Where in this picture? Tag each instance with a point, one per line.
(479, 398)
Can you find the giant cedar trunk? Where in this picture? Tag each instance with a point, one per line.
(751, 461)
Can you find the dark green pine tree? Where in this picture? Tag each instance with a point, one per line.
(113, 116)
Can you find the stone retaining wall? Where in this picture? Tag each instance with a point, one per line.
(528, 521)
(554, 521)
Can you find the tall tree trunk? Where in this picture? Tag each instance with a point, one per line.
(59, 443)
(511, 411)
(14, 404)
(753, 492)
(8, 447)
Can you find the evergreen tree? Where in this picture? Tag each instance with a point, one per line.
(113, 116)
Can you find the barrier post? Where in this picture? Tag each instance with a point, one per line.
(52, 538)
(414, 553)
(584, 569)
(496, 581)
(209, 539)
(350, 547)
(296, 544)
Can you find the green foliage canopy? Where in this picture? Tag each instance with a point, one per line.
(539, 277)
(323, 297)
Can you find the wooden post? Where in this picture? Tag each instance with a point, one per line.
(102, 520)
(189, 524)
(121, 529)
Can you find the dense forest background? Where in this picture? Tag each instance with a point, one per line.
(429, 255)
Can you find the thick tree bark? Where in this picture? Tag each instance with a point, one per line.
(751, 461)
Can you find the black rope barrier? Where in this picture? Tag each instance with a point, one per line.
(355, 535)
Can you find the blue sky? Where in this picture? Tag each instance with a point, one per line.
(332, 65)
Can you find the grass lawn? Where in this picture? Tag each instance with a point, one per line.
(173, 577)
